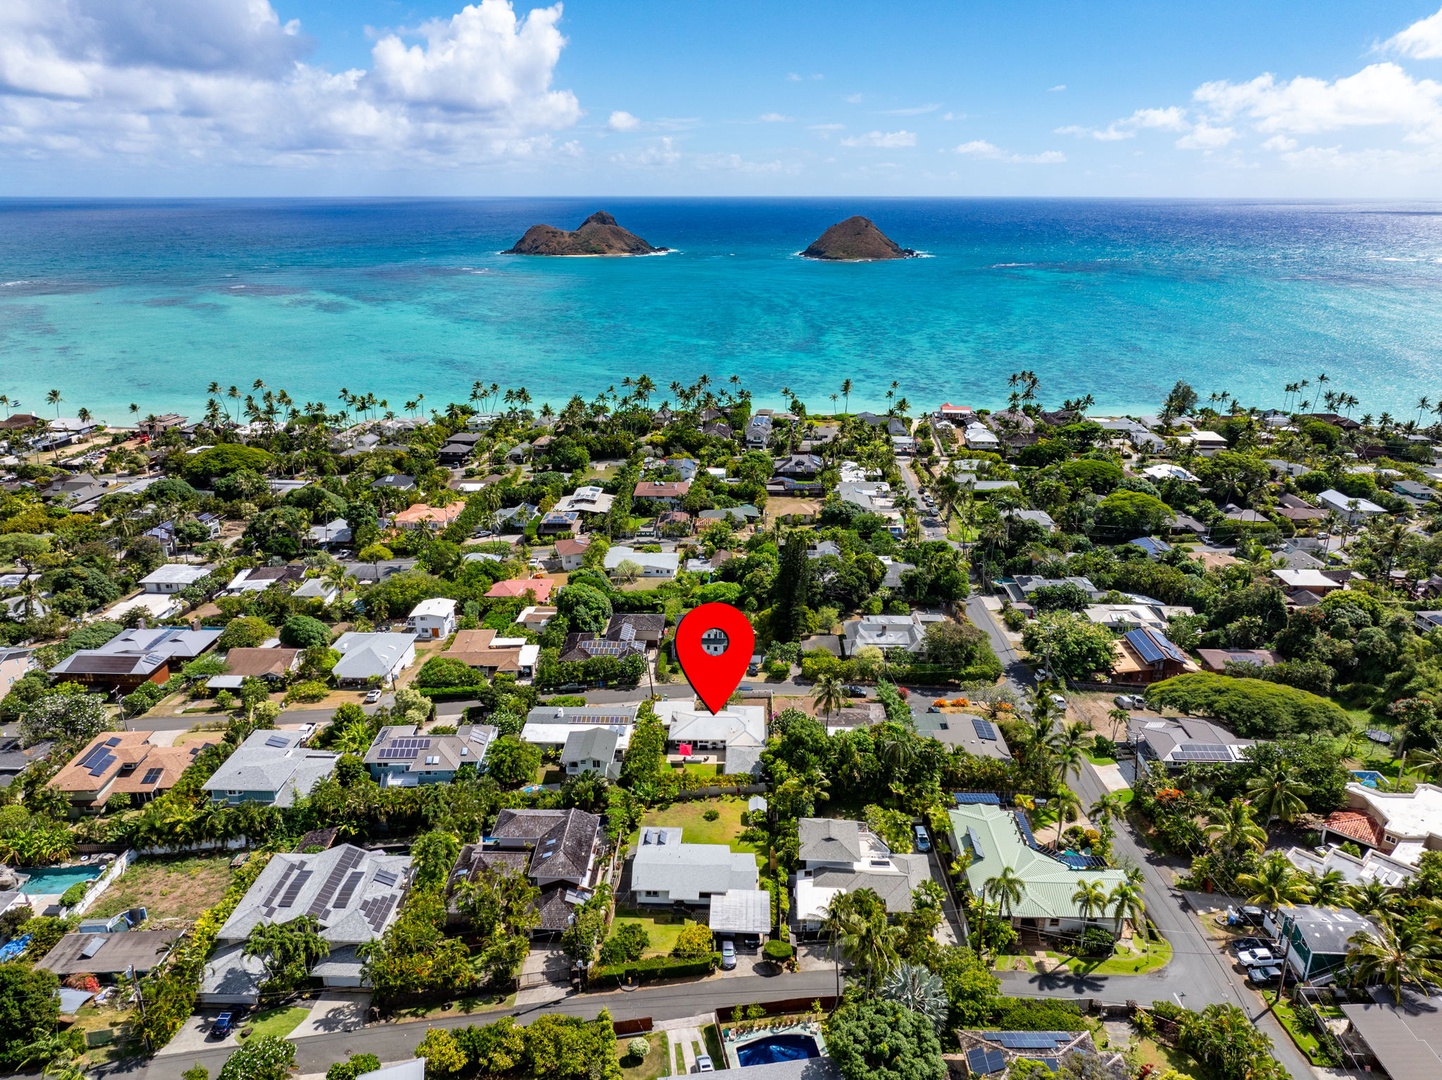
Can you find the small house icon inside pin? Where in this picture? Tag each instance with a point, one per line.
(715, 642)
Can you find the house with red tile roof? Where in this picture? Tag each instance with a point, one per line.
(539, 587)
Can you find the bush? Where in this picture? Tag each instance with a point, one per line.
(638, 1048)
(694, 942)
(73, 895)
(303, 632)
(445, 672)
(1252, 708)
(1036, 1014)
(244, 632)
(310, 690)
(712, 814)
(629, 941)
(778, 951)
(657, 967)
(1096, 941)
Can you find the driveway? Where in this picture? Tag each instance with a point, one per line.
(334, 1012)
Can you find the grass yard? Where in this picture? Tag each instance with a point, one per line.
(280, 1021)
(1150, 1052)
(167, 888)
(199, 735)
(690, 818)
(1301, 1033)
(466, 1006)
(712, 1035)
(663, 928)
(1096, 760)
(1152, 956)
(655, 1064)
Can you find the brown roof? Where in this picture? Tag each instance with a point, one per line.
(127, 762)
(257, 663)
(512, 587)
(473, 647)
(571, 547)
(1355, 824)
(662, 489)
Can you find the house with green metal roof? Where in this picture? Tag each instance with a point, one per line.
(995, 839)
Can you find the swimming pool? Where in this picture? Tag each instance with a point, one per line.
(54, 880)
(1368, 777)
(792, 1046)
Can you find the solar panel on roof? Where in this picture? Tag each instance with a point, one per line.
(1025, 827)
(113, 741)
(348, 861)
(975, 843)
(277, 741)
(152, 776)
(93, 946)
(347, 890)
(102, 763)
(296, 884)
(386, 878)
(985, 729)
(976, 798)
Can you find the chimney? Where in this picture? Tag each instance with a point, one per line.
(195, 622)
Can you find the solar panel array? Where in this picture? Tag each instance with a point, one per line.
(348, 861)
(1153, 647)
(976, 798)
(377, 909)
(293, 890)
(983, 1062)
(1201, 752)
(395, 753)
(985, 729)
(269, 907)
(1030, 1040)
(1024, 826)
(100, 764)
(277, 741)
(152, 776)
(386, 878)
(347, 890)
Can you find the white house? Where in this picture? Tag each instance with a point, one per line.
(1349, 509)
(836, 856)
(980, 437)
(653, 564)
(433, 619)
(372, 656)
(666, 871)
(172, 578)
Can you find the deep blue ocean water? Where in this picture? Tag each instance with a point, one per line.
(114, 302)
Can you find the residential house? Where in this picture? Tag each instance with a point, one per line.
(173, 577)
(835, 856)
(1039, 517)
(585, 645)
(124, 763)
(319, 590)
(515, 517)
(737, 733)
(758, 432)
(1020, 588)
(434, 518)
(799, 466)
(558, 850)
(1411, 489)
(874, 497)
(995, 840)
(572, 553)
(401, 756)
(1349, 509)
(1123, 617)
(1216, 660)
(650, 494)
(135, 656)
(1206, 443)
(372, 573)
(259, 578)
(1316, 940)
(977, 436)
(272, 665)
(1370, 865)
(1404, 1037)
(653, 564)
(1163, 470)
(1298, 510)
(538, 588)
(395, 482)
(646, 628)
(1185, 740)
(1146, 655)
(15, 759)
(1426, 621)
(333, 534)
(593, 749)
(1402, 825)
(549, 726)
(535, 617)
(887, 631)
(107, 955)
(976, 735)
(744, 514)
(372, 658)
(354, 895)
(458, 448)
(666, 871)
(589, 499)
(490, 654)
(15, 664)
(1154, 547)
(270, 767)
(433, 619)
(153, 426)
(1317, 582)
(991, 1054)
(557, 522)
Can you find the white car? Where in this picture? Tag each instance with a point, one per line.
(373, 697)
(1058, 701)
(703, 1063)
(1249, 958)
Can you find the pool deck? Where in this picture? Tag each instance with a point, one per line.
(730, 1041)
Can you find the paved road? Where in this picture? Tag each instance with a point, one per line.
(393, 1042)
(1018, 676)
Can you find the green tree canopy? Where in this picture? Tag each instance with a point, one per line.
(882, 1040)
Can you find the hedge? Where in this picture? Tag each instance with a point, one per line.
(777, 950)
(1251, 708)
(657, 967)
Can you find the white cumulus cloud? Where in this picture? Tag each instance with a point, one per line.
(774, 118)
(989, 151)
(227, 81)
(1379, 95)
(885, 139)
(1422, 40)
(622, 121)
(1171, 118)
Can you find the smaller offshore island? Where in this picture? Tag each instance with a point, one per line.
(598, 235)
(857, 239)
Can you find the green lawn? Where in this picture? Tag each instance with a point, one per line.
(656, 1063)
(690, 818)
(662, 927)
(280, 1021)
(1096, 760)
(713, 1046)
(1152, 956)
(1301, 1033)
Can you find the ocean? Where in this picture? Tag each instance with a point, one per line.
(114, 302)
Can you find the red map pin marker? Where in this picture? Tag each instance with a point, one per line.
(714, 644)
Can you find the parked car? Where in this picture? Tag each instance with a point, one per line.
(856, 691)
(1263, 975)
(223, 1026)
(1128, 701)
(932, 708)
(1249, 958)
(923, 842)
(1247, 943)
(373, 697)
(703, 1063)
(1058, 701)
(728, 955)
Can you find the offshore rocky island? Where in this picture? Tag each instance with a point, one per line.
(598, 235)
(857, 239)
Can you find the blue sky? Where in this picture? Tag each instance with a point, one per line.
(319, 97)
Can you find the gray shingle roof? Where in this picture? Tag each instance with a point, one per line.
(274, 762)
(663, 863)
(828, 840)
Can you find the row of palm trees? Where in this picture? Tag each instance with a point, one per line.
(1007, 889)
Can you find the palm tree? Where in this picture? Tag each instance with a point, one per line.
(1326, 890)
(1067, 750)
(1127, 902)
(1119, 718)
(1066, 804)
(846, 393)
(829, 694)
(1398, 954)
(1005, 890)
(52, 397)
(1426, 763)
(1090, 899)
(1233, 828)
(1277, 794)
(1107, 809)
(1370, 897)
(1276, 883)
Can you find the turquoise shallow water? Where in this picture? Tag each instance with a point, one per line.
(113, 302)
